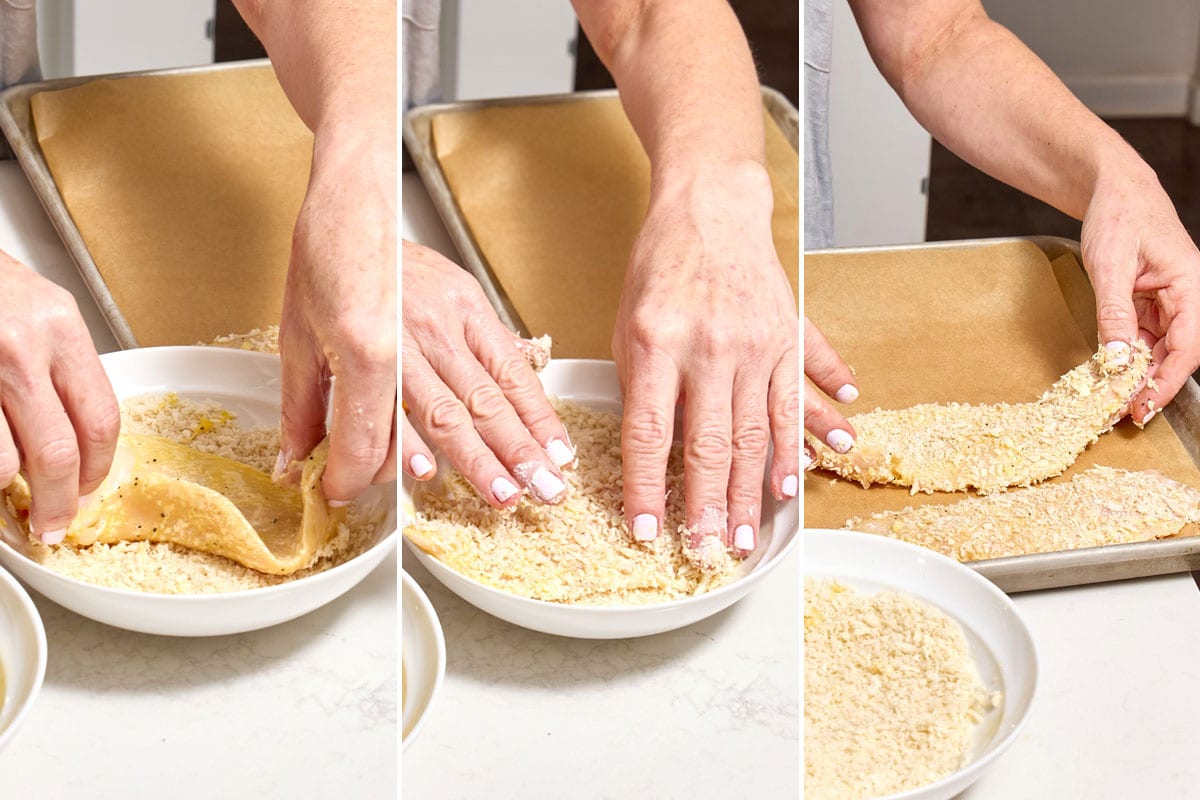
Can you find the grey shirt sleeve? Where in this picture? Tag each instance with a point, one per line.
(18, 43)
(419, 77)
(818, 173)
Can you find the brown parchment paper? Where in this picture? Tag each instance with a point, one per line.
(185, 189)
(554, 194)
(983, 324)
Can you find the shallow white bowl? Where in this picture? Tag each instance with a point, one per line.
(594, 383)
(1000, 643)
(248, 384)
(422, 654)
(22, 656)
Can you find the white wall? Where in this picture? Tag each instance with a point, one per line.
(880, 154)
(1120, 57)
(89, 37)
(515, 47)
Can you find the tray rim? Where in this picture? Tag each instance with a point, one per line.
(16, 123)
(1062, 568)
(418, 143)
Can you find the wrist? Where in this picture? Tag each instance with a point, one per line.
(736, 182)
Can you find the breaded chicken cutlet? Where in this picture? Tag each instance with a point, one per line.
(1097, 507)
(956, 446)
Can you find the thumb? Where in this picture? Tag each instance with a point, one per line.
(1116, 319)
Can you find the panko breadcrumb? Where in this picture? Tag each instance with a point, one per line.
(259, 340)
(892, 697)
(578, 551)
(170, 569)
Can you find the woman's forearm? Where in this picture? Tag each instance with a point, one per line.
(989, 99)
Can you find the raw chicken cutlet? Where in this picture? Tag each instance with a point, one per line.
(1098, 507)
(956, 446)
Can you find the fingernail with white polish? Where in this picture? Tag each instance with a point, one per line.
(1118, 353)
(503, 489)
(1149, 416)
(791, 484)
(839, 440)
(281, 463)
(847, 394)
(743, 537)
(645, 527)
(54, 537)
(338, 503)
(547, 486)
(420, 465)
(560, 452)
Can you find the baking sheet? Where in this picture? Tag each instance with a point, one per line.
(544, 197)
(175, 192)
(984, 322)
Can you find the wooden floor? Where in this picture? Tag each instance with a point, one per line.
(966, 204)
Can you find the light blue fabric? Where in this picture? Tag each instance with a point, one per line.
(818, 173)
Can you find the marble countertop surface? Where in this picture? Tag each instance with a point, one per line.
(307, 709)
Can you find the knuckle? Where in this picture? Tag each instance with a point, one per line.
(485, 402)
(1113, 311)
(57, 458)
(785, 412)
(512, 374)
(649, 430)
(745, 495)
(363, 456)
(101, 426)
(445, 415)
(710, 448)
(751, 438)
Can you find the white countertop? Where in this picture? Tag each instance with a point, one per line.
(306, 709)
(709, 711)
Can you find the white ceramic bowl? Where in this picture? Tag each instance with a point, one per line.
(594, 383)
(248, 384)
(22, 656)
(422, 654)
(1000, 643)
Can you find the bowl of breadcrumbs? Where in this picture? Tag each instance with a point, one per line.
(573, 569)
(918, 672)
(220, 404)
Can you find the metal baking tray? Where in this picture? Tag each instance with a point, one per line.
(16, 121)
(418, 143)
(1092, 564)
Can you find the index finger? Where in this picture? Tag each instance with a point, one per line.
(825, 367)
(496, 349)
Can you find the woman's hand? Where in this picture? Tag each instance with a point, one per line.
(339, 315)
(707, 319)
(60, 418)
(1146, 273)
(472, 391)
(829, 376)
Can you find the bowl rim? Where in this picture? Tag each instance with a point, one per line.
(972, 771)
(330, 574)
(409, 584)
(40, 648)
